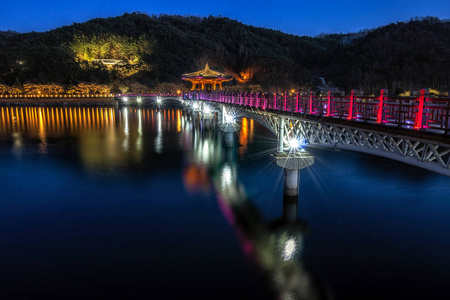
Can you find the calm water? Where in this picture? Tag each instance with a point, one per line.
(105, 203)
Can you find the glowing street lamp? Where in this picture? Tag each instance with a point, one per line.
(296, 143)
(229, 119)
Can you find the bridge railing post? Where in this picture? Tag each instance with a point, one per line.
(265, 101)
(311, 98)
(424, 93)
(350, 107)
(274, 106)
(383, 94)
(285, 100)
(329, 103)
(447, 116)
(296, 103)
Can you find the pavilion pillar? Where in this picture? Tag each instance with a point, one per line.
(203, 86)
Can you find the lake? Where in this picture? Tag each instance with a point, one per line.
(141, 203)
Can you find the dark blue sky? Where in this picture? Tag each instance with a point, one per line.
(301, 17)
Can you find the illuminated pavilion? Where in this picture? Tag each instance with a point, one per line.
(207, 76)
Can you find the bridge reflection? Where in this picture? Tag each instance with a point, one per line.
(275, 245)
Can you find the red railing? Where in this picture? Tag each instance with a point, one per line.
(422, 112)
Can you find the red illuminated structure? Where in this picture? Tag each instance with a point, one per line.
(420, 113)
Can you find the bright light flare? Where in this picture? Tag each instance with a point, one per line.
(296, 143)
(138, 99)
(158, 100)
(195, 106)
(207, 110)
(289, 250)
(125, 99)
(227, 176)
(229, 119)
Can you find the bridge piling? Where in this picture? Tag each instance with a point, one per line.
(292, 162)
(281, 135)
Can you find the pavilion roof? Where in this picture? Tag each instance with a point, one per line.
(207, 73)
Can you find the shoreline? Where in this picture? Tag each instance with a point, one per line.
(58, 102)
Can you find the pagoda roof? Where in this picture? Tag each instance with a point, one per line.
(207, 73)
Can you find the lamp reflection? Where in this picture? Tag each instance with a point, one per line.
(159, 133)
(275, 245)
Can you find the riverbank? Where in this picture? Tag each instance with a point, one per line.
(58, 102)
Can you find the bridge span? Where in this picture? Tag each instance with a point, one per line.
(414, 132)
(148, 99)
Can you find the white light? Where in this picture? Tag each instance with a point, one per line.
(294, 143)
(229, 119)
(138, 99)
(290, 247)
(125, 99)
(158, 100)
(206, 110)
(195, 106)
(226, 175)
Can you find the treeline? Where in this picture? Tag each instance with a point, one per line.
(402, 56)
(82, 88)
(156, 50)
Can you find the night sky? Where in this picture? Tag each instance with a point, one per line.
(301, 17)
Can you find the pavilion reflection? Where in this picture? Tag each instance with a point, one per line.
(275, 245)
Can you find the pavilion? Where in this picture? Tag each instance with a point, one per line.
(207, 76)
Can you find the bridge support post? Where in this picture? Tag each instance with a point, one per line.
(292, 162)
(281, 135)
(228, 128)
(291, 182)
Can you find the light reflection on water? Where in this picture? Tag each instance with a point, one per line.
(170, 177)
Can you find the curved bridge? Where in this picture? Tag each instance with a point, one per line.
(425, 150)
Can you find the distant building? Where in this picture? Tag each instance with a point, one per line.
(324, 87)
(207, 76)
(108, 62)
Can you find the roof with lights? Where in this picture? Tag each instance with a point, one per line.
(207, 73)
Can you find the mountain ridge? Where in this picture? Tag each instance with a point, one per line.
(158, 49)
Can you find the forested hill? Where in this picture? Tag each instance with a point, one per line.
(155, 50)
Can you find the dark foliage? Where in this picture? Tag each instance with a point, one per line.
(402, 56)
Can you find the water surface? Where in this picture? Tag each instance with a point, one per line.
(137, 203)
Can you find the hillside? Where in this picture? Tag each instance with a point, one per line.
(156, 50)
